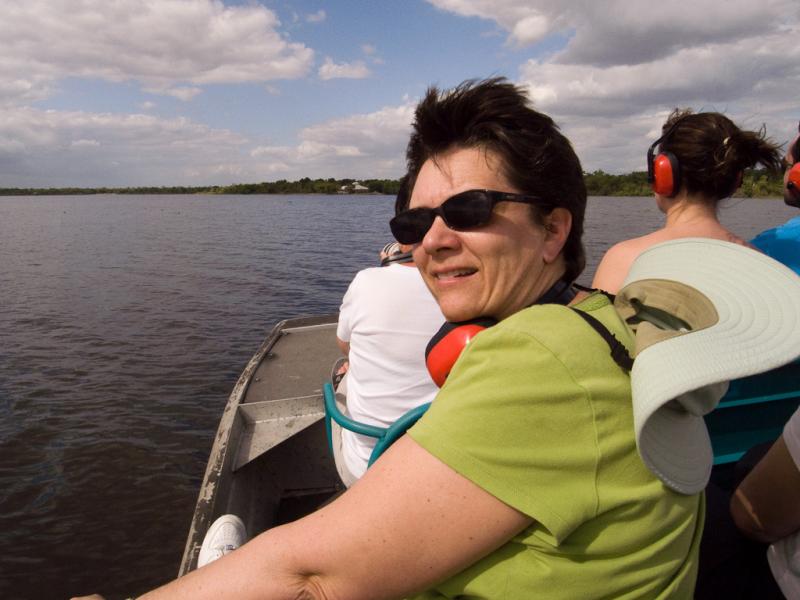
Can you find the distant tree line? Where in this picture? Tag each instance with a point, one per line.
(282, 186)
(757, 183)
(312, 186)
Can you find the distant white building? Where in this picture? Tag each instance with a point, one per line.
(353, 188)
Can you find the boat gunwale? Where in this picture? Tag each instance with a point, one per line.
(222, 445)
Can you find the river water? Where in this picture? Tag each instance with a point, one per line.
(124, 323)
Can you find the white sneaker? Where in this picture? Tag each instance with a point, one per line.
(225, 535)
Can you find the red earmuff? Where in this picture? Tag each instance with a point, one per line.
(666, 174)
(664, 170)
(793, 177)
(793, 181)
(446, 346)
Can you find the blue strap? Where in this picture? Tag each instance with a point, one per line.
(396, 431)
(386, 436)
(332, 412)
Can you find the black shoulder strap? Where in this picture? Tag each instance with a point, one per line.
(619, 352)
(563, 292)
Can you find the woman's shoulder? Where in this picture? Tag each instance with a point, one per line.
(617, 261)
(735, 239)
(635, 246)
(556, 331)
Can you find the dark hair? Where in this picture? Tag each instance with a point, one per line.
(794, 149)
(403, 194)
(712, 151)
(536, 158)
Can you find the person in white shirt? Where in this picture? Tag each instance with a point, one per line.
(386, 320)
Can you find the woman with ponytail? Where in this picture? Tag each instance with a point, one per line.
(700, 161)
(697, 162)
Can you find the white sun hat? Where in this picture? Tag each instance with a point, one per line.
(704, 312)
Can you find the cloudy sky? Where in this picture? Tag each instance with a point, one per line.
(199, 92)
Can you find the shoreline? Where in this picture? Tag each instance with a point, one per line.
(757, 183)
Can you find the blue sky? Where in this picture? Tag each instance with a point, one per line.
(199, 92)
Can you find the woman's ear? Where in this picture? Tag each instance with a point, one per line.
(557, 226)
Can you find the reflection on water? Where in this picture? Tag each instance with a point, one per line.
(124, 323)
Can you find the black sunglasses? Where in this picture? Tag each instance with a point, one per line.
(465, 210)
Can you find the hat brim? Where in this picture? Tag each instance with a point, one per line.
(675, 447)
(757, 300)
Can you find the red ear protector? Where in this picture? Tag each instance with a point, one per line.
(793, 181)
(445, 347)
(664, 170)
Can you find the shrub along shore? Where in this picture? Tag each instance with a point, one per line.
(757, 183)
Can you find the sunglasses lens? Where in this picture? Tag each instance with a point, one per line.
(463, 211)
(467, 210)
(410, 227)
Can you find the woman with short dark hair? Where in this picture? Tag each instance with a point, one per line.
(523, 479)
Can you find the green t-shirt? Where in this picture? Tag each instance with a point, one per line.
(538, 414)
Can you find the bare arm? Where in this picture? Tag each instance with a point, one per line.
(409, 523)
(766, 505)
(343, 346)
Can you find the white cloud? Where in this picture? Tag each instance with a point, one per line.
(184, 93)
(85, 144)
(73, 148)
(527, 22)
(617, 69)
(619, 31)
(608, 72)
(163, 44)
(371, 52)
(365, 145)
(317, 17)
(136, 149)
(752, 80)
(332, 70)
(311, 149)
(530, 28)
